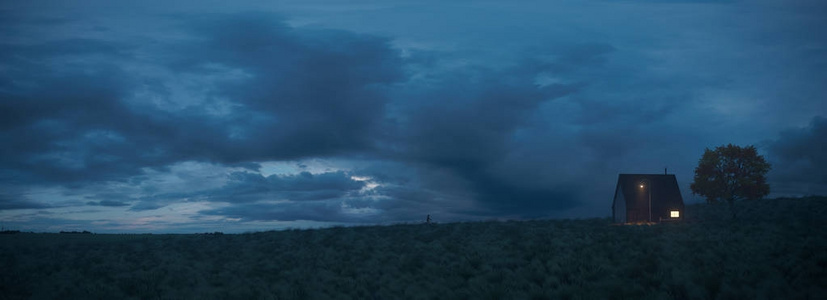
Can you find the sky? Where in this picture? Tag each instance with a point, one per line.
(199, 116)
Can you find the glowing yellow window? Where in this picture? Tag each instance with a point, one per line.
(675, 213)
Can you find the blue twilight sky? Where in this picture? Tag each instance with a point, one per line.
(193, 116)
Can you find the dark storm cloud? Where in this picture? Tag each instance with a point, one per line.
(62, 129)
(68, 112)
(326, 197)
(467, 123)
(11, 201)
(800, 155)
(321, 90)
(109, 198)
(455, 138)
(302, 93)
(251, 187)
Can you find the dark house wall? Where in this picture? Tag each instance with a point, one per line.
(665, 196)
(619, 207)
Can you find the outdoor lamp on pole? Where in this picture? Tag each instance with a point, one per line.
(647, 183)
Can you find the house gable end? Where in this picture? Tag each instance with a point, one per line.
(645, 195)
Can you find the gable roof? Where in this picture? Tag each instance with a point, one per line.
(666, 185)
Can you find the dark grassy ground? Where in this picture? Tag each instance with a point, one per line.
(776, 249)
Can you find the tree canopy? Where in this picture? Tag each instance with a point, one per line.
(730, 173)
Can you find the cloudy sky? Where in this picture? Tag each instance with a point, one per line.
(194, 116)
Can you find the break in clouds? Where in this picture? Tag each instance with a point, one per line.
(246, 117)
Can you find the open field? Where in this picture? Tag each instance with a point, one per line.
(774, 250)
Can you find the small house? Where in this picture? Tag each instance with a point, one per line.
(647, 198)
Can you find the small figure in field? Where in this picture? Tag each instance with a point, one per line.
(428, 219)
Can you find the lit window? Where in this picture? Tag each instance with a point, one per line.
(675, 213)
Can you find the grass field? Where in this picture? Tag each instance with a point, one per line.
(776, 249)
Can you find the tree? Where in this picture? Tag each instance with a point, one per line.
(731, 173)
